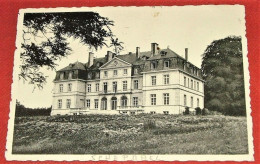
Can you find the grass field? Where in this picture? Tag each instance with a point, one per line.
(139, 134)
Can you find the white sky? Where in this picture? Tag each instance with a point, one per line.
(181, 27)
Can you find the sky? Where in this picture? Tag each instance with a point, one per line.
(176, 27)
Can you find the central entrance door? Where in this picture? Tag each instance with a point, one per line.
(114, 103)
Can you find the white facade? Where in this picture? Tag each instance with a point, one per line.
(123, 86)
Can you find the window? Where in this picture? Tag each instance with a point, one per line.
(60, 103)
(152, 112)
(132, 113)
(88, 103)
(124, 85)
(135, 71)
(62, 75)
(96, 103)
(188, 82)
(166, 64)
(105, 87)
(105, 73)
(97, 87)
(115, 72)
(61, 87)
(124, 102)
(185, 100)
(135, 84)
(68, 103)
(198, 86)
(89, 75)
(153, 99)
(153, 80)
(166, 98)
(125, 71)
(184, 81)
(166, 79)
(70, 75)
(153, 65)
(135, 101)
(166, 112)
(89, 88)
(194, 85)
(191, 84)
(198, 102)
(114, 103)
(114, 86)
(104, 103)
(69, 87)
(191, 102)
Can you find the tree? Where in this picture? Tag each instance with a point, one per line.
(222, 69)
(45, 39)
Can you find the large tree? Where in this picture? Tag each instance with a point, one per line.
(45, 38)
(222, 69)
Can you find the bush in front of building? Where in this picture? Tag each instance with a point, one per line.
(205, 111)
(198, 111)
(187, 111)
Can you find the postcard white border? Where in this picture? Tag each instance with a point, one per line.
(126, 157)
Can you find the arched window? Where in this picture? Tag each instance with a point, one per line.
(104, 103)
(123, 101)
(114, 103)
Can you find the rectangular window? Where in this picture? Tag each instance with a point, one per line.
(114, 86)
(191, 102)
(153, 99)
(115, 72)
(60, 103)
(166, 79)
(166, 98)
(188, 82)
(88, 103)
(198, 86)
(191, 84)
(166, 64)
(69, 87)
(105, 73)
(68, 103)
(194, 85)
(135, 84)
(153, 65)
(153, 80)
(185, 100)
(61, 87)
(198, 102)
(105, 87)
(135, 71)
(89, 88)
(97, 87)
(184, 81)
(135, 101)
(125, 71)
(124, 85)
(96, 103)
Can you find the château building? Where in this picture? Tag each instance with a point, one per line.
(156, 81)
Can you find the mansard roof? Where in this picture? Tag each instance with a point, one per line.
(73, 66)
(165, 53)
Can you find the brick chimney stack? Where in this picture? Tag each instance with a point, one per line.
(137, 52)
(154, 49)
(109, 55)
(186, 54)
(90, 59)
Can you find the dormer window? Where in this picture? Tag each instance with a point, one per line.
(97, 75)
(135, 71)
(62, 75)
(166, 64)
(90, 75)
(70, 75)
(163, 53)
(153, 65)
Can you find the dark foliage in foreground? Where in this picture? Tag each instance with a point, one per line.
(21, 110)
(222, 69)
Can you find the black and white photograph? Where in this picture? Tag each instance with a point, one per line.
(131, 84)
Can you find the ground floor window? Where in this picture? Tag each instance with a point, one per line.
(124, 101)
(198, 102)
(114, 103)
(60, 103)
(68, 103)
(96, 103)
(88, 103)
(191, 102)
(185, 100)
(135, 101)
(104, 103)
(166, 98)
(153, 99)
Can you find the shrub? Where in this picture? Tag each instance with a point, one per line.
(149, 124)
(198, 111)
(205, 111)
(187, 111)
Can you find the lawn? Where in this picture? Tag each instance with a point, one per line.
(138, 134)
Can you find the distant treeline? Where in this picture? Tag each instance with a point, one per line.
(21, 110)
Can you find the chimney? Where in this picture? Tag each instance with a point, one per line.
(109, 55)
(137, 52)
(90, 59)
(186, 54)
(154, 49)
